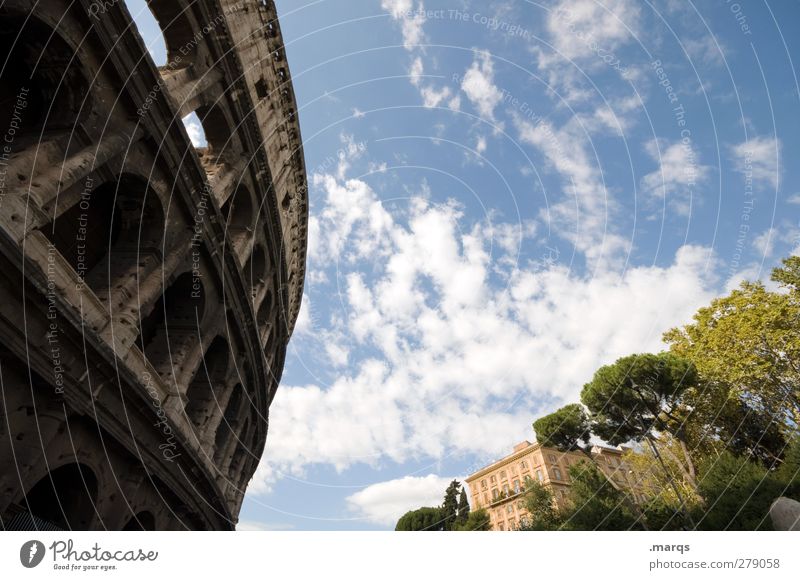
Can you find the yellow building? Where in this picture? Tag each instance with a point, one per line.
(498, 487)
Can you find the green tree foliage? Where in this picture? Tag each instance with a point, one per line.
(737, 492)
(477, 521)
(725, 398)
(463, 509)
(450, 505)
(748, 343)
(425, 519)
(453, 514)
(539, 502)
(566, 429)
(789, 472)
(594, 504)
(639, 396)
(569, 429)
(662, 480)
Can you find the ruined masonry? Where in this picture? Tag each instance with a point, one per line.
(149, 288)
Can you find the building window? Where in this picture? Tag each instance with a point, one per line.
(505, 488)
(523, 465)
(528, 480)
(512, 524)
(539, 475)
(552, 458)
(495, 494)
(493, 479)
(483, 484)
(510, 509)
(485, 498)
(557, 473)
(503, 474)
(516, 486)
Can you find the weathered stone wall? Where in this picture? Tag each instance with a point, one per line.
(149, 288)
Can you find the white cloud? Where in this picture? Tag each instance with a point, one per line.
(759, 159)
(786, 235)
(415, 72)
(303, 323)
(432, 97)
(478, 85)
(411, 18)
(706, 49)
(442, 358)
(577, 26)
(585, 213)
(586, 35)
(678, 175)
(251, 526)
(383, 503)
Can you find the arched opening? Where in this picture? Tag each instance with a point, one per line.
(264, 316)
(255, 269)
(242, 452)
(197, 134)
(65, 497)
(238, 211)
(270, 343)
(174, 19)
(111, 237)
(171, 329)
(82, 233)
(149, 30)
(219, 132)
(143, 521)
(227, 427)
(42, 84)
(206, 389)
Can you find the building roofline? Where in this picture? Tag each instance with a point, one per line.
(525, 450)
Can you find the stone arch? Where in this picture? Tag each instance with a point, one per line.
(205, 392)
(111, 236)
(170, 331)
(42, 70)
(134, 244)
(255, 270)
(65, 497)
(264, 316)
(242, 451)
(220, 132)
(142, 521)
(91, 218)
(239, 215)
(228, 426)
(270, 343)
(174, 19)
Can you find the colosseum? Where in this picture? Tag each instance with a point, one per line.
(149, 287)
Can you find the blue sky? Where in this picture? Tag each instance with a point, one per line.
(505, 196)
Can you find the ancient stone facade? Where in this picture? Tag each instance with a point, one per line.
(148, 288)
